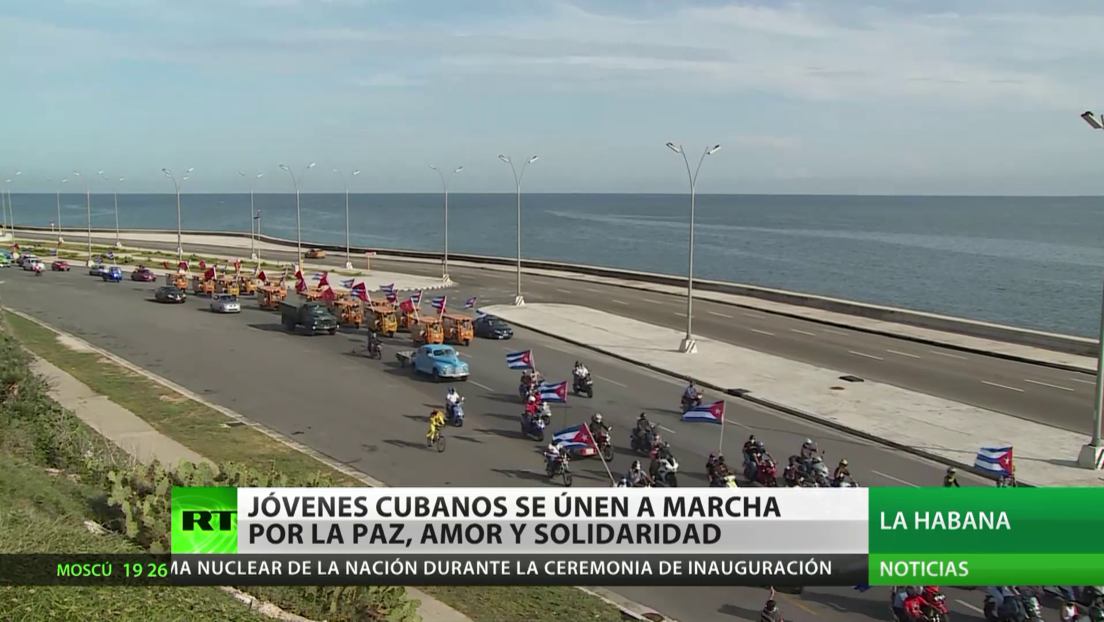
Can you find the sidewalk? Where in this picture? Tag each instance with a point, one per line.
(925, 424)
(131, 433)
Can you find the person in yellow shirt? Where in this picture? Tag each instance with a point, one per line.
(436, 422)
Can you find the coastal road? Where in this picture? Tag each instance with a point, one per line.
(1034, 392)
(371, 415)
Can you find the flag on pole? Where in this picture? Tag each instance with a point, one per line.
(520, 360)
(552, 392)
(348, 284)
(470, 303)
(166, 264)
(202, 264)
(182, 265)
(995, 459)
(439, 304)
(324, 280)
(318, 276)
(417, 298)
(706, 413)
(261, 277)
(575, 437)
(301, 286)
(237, 266)
(360, 291)
(299, 275)
(209, 274)
(328, 295)
(408, 306)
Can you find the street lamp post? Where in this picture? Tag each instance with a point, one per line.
(115, 193)
(519, 299)
(176, 186)
(1092, 454)
(252, 215)
(295, 181)
(688, 345)
(348, 256)
(88, 215)
(11, 206)
(444, 184)
(58, 206)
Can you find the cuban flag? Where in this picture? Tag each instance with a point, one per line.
(706, 413)
(549, 392)
(520, 360)
(389, 291)
(111, 255)
(575, 437)
(995, 459)
(470, 303)
(417, 298)
(348, 284)
(360, 291)
(182, 265)
(439, 304)
(299, 275)
(319, 276)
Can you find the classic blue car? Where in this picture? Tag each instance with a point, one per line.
(440, 362)
(114, 274)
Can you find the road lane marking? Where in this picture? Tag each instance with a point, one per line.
(869, 356)
(594, 291)
(833, 331)
(1083, 381)
(680, 314)
(611, 381)
(755, 315)
(720, 314)
(655, 302)
(666, 429)
(896, 479)
(620, 302)
(969, 606)
(761, 332)
(993, 384)
(911, 356)
(481, 386)
(802, 332)
(563, 291)
(948, 355)
(1047, 384)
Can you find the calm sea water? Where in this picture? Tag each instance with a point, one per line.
(1031, 262)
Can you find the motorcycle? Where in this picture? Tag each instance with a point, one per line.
(533, 426)
(643, 443)
(38, 269)
(1030, 608)
(686, 404)
(583, 384)
(561, 468)
(454, 415)
(936, 609)
(604, 445)
(666, 472)
(766, 473)
(375, 351)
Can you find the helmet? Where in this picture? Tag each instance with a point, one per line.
(720, 459)
(808, 441)
(751, 438)
(931, 590)
(597, 418)
(636, 465)
(951, 470)
(452, 390)
(843, 462)
(643, 417)
(532, 399)
(551, 447)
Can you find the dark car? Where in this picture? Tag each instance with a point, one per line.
(143, 274)
(170, 294)
(490, 327)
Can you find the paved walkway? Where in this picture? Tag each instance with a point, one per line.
(1045, 456)
(131, 433)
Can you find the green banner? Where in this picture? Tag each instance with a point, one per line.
(986, 569)
(204, 520)
(986, 520)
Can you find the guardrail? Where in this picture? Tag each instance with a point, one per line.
(1069, 344)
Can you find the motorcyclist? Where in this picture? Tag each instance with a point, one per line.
(643, 432)
(754, 451)
(452, 399)
(841, 474)
(716, 468)
(661, 452)
(637, 477)
(691, 395)
(552, 457)
(950, 480)
(596, 426)
(373, 341)
(897, 598)
(436, 422)
(913, 607)
(38, 268)
(1069, 612)
(532, 407)
(809, 449)
(580, 372)
(792, 473)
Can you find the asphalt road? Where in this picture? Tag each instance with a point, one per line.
(1034, 392)
(371, 415)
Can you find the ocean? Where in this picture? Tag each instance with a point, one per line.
(1026, 261)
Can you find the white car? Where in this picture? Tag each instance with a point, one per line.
(29, 265)
(225, 303)
(98, 269)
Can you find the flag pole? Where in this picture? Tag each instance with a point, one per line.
(720, 446)
(603, 458)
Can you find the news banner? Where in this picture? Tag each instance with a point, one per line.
(607, 537)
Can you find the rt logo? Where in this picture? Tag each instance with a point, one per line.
(201, 519)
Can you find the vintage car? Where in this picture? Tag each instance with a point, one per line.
(170, 294)
(60, 265)
(316, 253)
(143, 274)
(435, 360)
(225, 303)
(33, 264)
(114, 274)
(490, 327)
(27, 261)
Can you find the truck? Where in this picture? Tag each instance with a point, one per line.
(312, 316)
(438, 361)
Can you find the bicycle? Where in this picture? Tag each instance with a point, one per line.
(437, 440)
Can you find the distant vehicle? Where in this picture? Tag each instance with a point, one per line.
(313, 316)
(170, 295)
(98, 269)
(114, 274)
(6, 261)
(60, 265)
(436, 360)
(490, 327)
(23, 259)
(225, 303)
(143, 274)
(33, 264)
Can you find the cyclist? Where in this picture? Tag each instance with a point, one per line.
(436, 422)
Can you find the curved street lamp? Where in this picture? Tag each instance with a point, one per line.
(688, 346)
(444, 184)
(519, 300)
(88, 212)
(298, 219)
(1092, 454)
(176, 186)
(348, 257)
(252, 215)
(115, 193)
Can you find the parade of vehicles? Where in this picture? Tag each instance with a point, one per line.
(457, 328)
(491, 327)
(24, 258)
(428, 330)
(438, 361)
(311, 316)
(225, 303)
(60, 265)
(143, 274)
(383, 319)
(114, 274)
(169, 294)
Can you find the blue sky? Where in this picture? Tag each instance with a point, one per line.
(835, 96)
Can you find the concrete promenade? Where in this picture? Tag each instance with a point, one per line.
(946, 430)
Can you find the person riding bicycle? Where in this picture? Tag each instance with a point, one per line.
(809, 449)
(436, 422)
(950, 480)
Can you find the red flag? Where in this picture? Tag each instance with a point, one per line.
(202, 265)
(209, 274)
(324, 281)
(328, 294)
(360, 291)
(261, 277)
(166, 264)
(182, 265)
(301, 286)
(299, 276)
(237, 265)
(407, 305)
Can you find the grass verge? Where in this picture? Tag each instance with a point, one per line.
(203, 429)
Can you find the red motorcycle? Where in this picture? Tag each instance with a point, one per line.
(766, 473)
(605, 446)
(935, 607)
